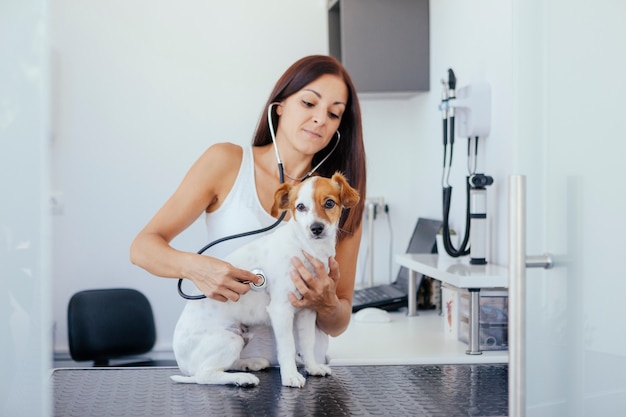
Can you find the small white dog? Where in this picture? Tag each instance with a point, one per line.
(208, 338)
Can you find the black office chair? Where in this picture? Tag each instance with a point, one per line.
(106, 324)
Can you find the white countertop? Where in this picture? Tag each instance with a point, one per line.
(456, 271)
(418, 340)
(404, 341)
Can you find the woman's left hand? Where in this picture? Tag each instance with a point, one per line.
(318, 289)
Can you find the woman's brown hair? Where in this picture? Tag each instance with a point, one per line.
(349, 157)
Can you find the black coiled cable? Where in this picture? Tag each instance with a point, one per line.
(447, 242)
(448, 140)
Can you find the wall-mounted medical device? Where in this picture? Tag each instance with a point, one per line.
(467, 110)
(473, 110)
(478, 217)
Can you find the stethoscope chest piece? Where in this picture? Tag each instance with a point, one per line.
(258, 287)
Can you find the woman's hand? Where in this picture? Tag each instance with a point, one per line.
(318, 289)
(219, 280)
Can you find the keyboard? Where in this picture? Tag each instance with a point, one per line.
(381, 296)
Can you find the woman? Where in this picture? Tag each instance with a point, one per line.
(313, 107)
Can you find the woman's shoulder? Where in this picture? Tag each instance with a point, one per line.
(224, 150)
(215, 171)
(219, 161)
(222, 156)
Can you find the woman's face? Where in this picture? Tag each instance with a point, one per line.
(309, 118)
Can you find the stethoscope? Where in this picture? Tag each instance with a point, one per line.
(281, 176)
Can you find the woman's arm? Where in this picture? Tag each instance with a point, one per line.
(203, 188)
(330, 294)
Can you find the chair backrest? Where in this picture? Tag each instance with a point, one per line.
(105, 324)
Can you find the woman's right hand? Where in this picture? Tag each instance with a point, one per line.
(217, 279)
(207, 182)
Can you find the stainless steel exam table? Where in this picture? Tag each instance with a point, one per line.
(385, 390)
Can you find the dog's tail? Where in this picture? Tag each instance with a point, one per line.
(184, 379)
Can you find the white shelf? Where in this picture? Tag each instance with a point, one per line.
(459, 273)
(456, 271)
(418, 340)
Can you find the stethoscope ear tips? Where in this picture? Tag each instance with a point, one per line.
(263, 284)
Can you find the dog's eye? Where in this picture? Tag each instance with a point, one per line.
(329, 204)
(300, 207)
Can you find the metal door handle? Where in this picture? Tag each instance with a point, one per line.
(518, 262)
(540, 261)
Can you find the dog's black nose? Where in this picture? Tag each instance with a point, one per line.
(317, 228)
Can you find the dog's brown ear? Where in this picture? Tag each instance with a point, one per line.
(349, 196)
(281, 199)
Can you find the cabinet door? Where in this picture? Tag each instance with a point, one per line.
(383, 44)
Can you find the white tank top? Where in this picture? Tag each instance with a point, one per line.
(241, 212)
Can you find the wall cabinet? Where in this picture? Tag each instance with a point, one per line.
(384, 44)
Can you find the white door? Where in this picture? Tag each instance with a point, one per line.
(570, 107)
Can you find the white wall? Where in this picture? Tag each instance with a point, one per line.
(141, 89)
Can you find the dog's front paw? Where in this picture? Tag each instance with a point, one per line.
(251, 364)
(318, 369)
(245, 380)
(294, 379)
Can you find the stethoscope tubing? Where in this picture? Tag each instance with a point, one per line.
(281, 176)
(223, 239)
